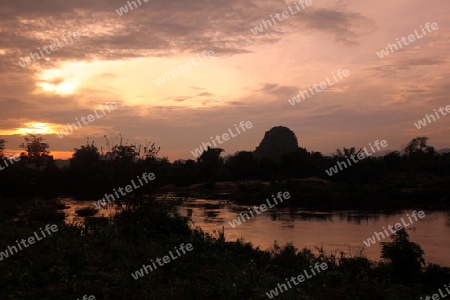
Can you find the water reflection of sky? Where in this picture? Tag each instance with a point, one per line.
(72, 205)
(335, 231)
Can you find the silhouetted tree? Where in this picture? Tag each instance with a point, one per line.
(35, 149)
(406, 257)
(210, 162)
(86, 156)
(393, 160)
(122, 160)
(318, 161)
(183, 173)
(419, 145)
(268, 169)
(119, 150)
(125, 161)
(243, 165)
(297, 163)
(86, 174)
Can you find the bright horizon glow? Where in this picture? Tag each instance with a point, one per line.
(39, 128)
(34, 128)
(249, 77)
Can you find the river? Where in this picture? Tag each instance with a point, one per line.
(334, 231)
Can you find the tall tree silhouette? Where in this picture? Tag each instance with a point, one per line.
(406, 257)
(419, 145)
(243, 165)
(210, 162)
(35, 149)
(86, 156)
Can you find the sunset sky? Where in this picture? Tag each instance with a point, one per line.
(249, 78)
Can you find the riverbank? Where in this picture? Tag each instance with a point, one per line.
(97, 258)
(320, 194)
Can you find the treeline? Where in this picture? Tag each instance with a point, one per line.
(95, 171)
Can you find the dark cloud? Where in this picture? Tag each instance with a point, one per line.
(15, 107)
(425, 61)
(157, 26)
(274, 89)
(398, 66)
(345, 27)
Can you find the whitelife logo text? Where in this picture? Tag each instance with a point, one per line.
(11, 162)
(272, 293)
(411, 38)
(360, 155)
(198, 151)
(263, 207)
(161, 80)
(91, 118)
(128, 189)
(124, 9)
(53, 228)
(284, 16)
(323, 86)
(166, 259)
(423, 123)
(23, 63)
(398, 226)
(437, 296)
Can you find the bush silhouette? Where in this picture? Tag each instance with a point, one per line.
(406, 257)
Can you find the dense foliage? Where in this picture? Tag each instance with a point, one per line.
(98, 257)
(420, 176)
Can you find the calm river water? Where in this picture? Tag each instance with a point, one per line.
(334, 231)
